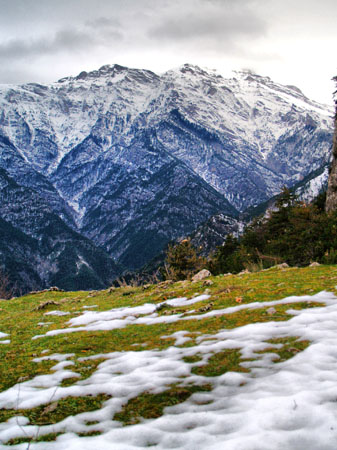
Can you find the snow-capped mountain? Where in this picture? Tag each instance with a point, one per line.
(39, 250)
(131, 159)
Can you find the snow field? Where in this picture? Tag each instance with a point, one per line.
(291, 405)
(4, 341)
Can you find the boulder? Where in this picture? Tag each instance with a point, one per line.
(204, 273)
(281, 266)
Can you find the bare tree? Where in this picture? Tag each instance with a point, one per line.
(331, 196)
(5, 290)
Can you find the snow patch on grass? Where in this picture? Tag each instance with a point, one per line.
(146, 314)
(290, 405)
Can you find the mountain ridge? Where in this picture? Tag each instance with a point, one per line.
(131, 159)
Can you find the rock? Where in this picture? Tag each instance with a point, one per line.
(50, 408)
(55, 289)
(206, 308)
(93, 294)
(183, 283)
(314, 264)
(51, 289)
(271, 311)
(22, 379)
(281, 266)
(165, 284)
(244, 272)
(161, 306)
(177, 311)
(207, 292)
(204, 273)
(207, 283)
(45, 304)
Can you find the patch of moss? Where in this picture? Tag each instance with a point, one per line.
(43, 415)
(192, 359)
(90, 433)
(30, 440)
(151, 406)
(288, 347)
(84, 368)
(220, 363)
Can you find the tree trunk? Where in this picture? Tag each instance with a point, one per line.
(331, 196)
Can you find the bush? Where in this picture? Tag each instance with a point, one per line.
(182, 261)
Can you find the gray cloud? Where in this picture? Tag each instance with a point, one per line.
(71, 26)
(219, 25)
(65, 40)
(213, 25)
(104, 23)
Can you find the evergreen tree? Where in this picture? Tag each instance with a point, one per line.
(182, 261)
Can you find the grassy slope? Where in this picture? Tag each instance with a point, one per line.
(20, 319)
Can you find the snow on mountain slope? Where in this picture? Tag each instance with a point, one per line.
(136, 159)
(260, 135)
(46, 122)
(39, 250)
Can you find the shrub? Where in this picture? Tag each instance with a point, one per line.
(182, 261)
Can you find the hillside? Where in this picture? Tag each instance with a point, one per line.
(235, 362)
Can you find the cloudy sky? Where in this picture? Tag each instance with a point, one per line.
(292, 41)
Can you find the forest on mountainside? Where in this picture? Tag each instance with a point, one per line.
(291, 232)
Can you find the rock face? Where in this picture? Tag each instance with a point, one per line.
(212, 233)
(129, 160)
(331, 197)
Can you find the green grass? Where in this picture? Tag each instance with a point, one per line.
(151, 406)
(285, 348)
(20, 318)
(84, 369)
(220, 363)
(44, 438)
(43, 415)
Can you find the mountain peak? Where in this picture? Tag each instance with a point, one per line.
(109, 70)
